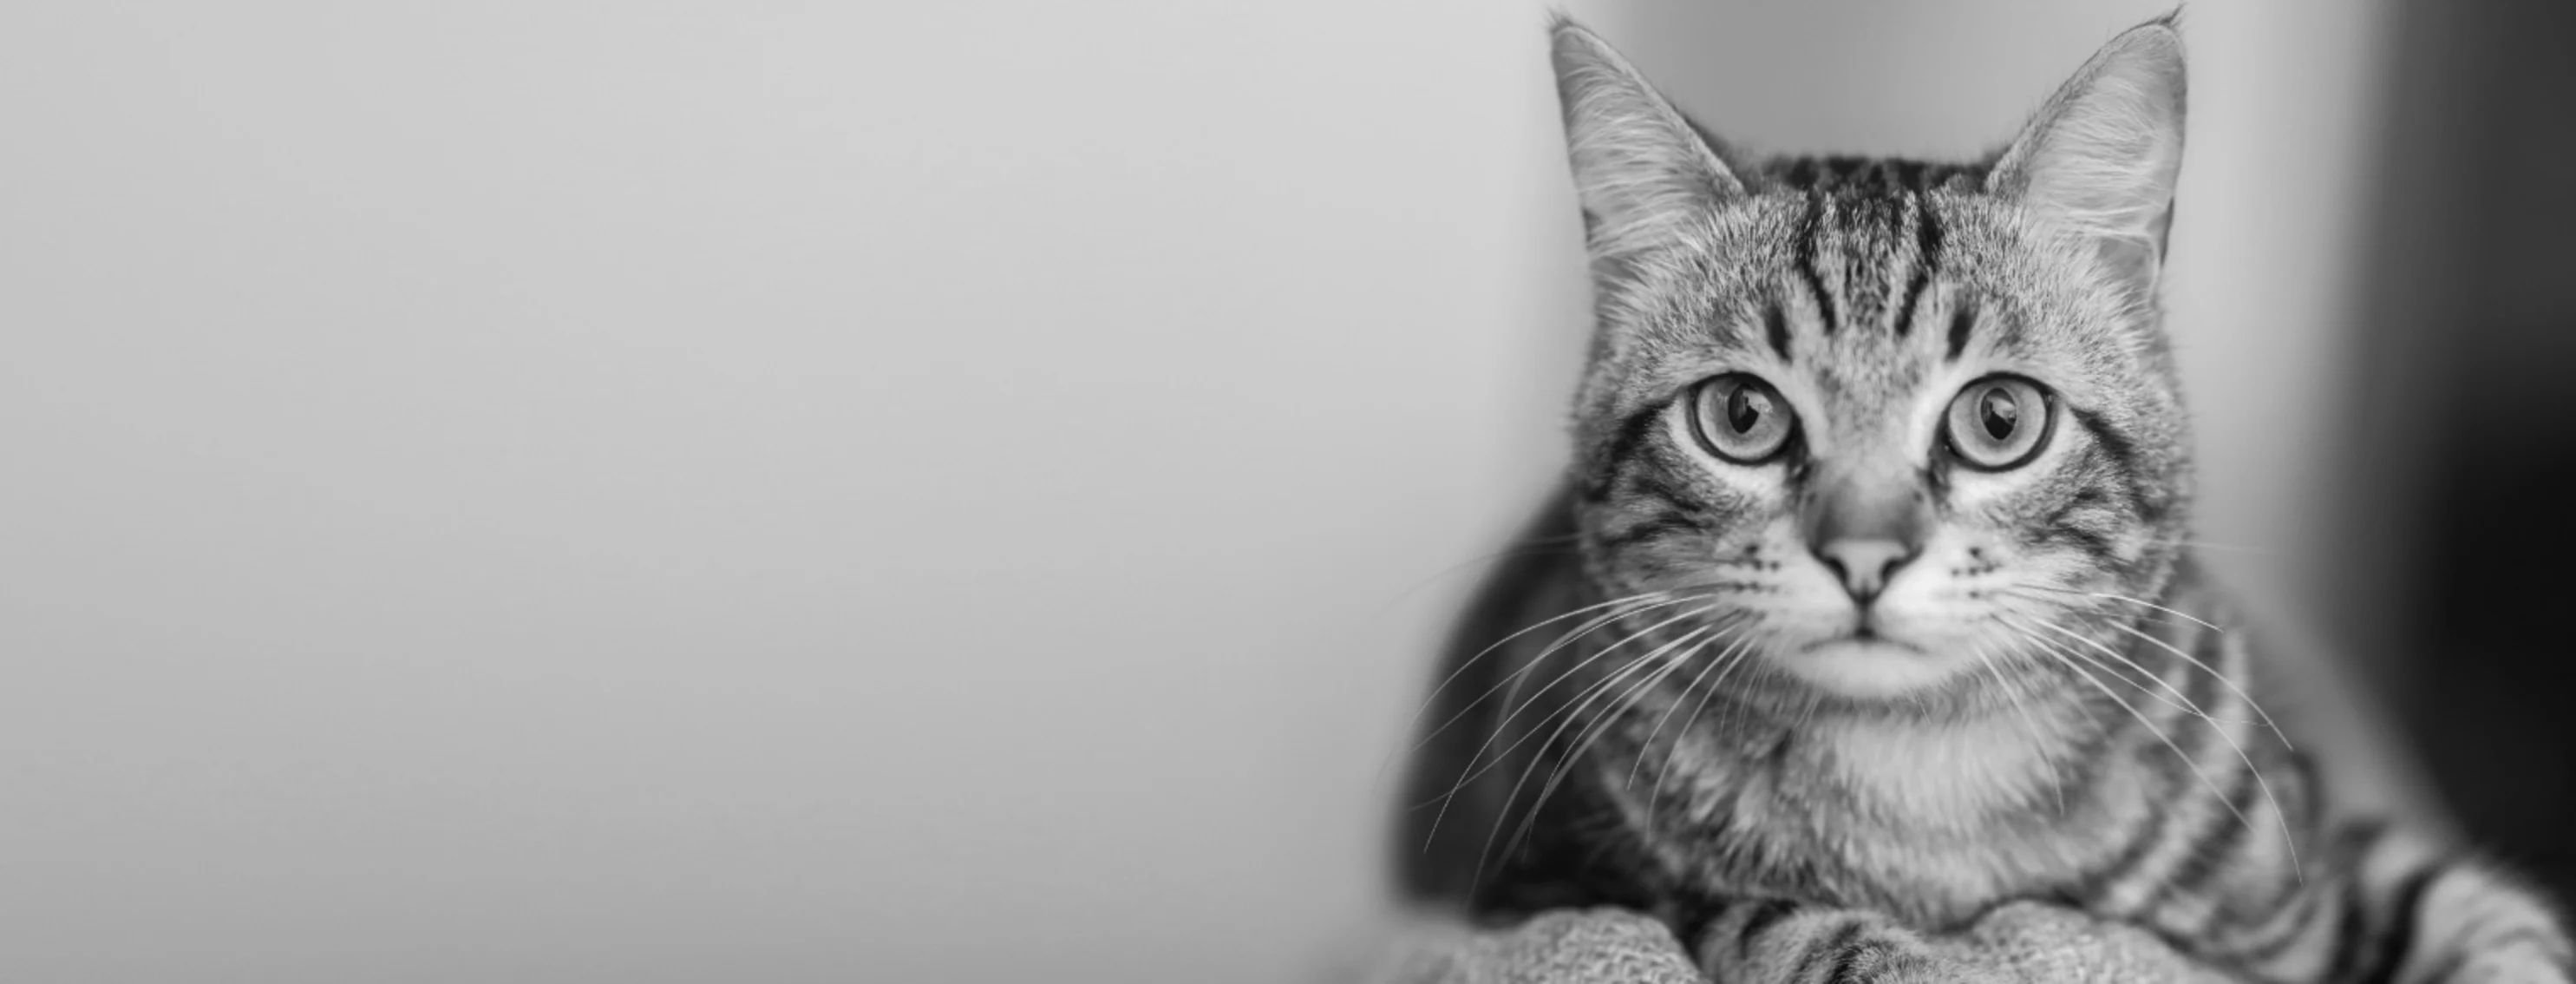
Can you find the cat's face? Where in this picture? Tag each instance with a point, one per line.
(1881, 426)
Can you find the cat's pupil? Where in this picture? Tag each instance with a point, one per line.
(1744, 408)
(1998, 411)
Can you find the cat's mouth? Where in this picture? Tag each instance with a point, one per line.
(1864, 640)
(1867, 664)
(1865, 635)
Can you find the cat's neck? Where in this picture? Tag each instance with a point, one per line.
(1956, 773)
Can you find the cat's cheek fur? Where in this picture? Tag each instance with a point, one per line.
(1941, 601)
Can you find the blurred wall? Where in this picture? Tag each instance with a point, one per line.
(2465, 444)
(659, 492)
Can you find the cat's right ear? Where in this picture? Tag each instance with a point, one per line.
(1640, 169)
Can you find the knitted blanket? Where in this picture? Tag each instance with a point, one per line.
(2028, 943)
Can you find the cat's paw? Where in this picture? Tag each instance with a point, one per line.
(2509, 965)
(1777, 942)
(1889, 956)
(1910, 967)
(2474, 927)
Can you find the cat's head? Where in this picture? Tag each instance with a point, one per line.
(1880, 422)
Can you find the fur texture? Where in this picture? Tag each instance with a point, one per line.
(1867, 607)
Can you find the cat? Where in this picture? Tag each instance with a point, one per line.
(1867, 608)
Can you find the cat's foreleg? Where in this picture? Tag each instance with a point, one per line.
(1771, 941)
(1777, 942)
(2387, 907)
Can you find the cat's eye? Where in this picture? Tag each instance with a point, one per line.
(1740, 418)
(1999, 422)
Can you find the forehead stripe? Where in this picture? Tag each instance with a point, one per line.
(2152, 505)
(1927, 256)
(1624, 445)
(1962, 322)
(1775, 328)
(1806, 259)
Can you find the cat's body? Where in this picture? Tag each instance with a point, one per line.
(1866, 608)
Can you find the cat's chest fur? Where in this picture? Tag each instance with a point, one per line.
(1932, 821)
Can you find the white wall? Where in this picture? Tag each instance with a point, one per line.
(959, 491)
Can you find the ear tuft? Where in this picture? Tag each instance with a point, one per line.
(1640, 168)
(2101, 158)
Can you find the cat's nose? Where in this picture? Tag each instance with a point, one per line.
(1864, 565)
(1865, 524)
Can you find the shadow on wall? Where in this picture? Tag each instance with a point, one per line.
(2464, 440)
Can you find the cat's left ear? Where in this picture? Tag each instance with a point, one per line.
(2100, 159)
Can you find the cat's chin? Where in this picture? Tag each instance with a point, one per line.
(1868, 667)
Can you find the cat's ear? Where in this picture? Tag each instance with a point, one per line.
(1640, 169)
(2101, 157)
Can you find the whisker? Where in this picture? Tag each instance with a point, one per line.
(2081, 602)
(2222, 679)
(2168, 742)
(2214, 545)
(2115, 618)
(1560, 765)
(1741, 650)
(1521, 678)
(2232, 745)
(1501, 726)
(1533, 545)
(2187, 703)
(1515, 678)
(1429, 700)
(1571, 714)
(1696, 680)
(2194, 619)
(1568, 672)
(2030, 724)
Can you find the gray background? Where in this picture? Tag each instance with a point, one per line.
(894, 491)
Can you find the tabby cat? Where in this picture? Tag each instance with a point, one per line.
(1866, 607)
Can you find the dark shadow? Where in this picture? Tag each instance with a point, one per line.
(2460, 446)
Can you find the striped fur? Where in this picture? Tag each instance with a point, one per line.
(1693, 711)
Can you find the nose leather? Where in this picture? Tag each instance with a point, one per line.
(1865, 525)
